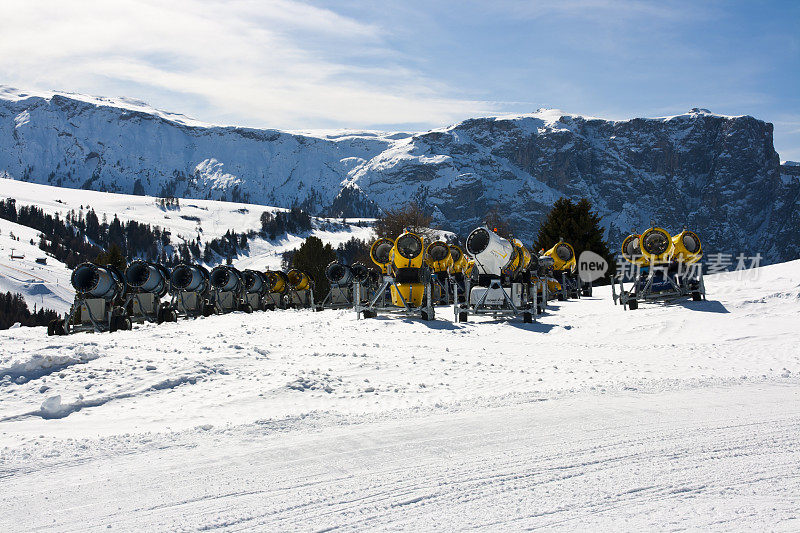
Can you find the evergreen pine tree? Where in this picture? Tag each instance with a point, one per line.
(312, 257)
(112, 257)
(578, 225)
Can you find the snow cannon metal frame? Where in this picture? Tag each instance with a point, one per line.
(191, 290)
(301, 290)
(406, 279)
(503, 287)
(669, 269)
(99, 302)
(148, 283)
(227, 290)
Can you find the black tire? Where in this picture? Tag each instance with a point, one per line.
(125, 323)
(113, 326)
(587, 292)
(527, 318)
(60, 328)
(633, 305)
(463, 316)
(160, 318)
(171, 315)
(561, 297)
(696, 296)
(247, 308)
(208, 310)
(269, 307)
(539, 310)
(425, 316)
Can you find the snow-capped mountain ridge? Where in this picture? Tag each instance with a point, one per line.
(717, 174)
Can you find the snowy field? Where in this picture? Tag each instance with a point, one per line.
(678, 417)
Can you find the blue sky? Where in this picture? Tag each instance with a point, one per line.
(414, 65)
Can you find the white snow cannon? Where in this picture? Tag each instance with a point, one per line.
(256, 286)
(98, 305)
(190, 290)
(227, 290)
(148, 283)
(503, 286)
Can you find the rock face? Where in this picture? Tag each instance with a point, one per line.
(718, 175)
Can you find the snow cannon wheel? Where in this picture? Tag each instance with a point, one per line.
(527, 318)
(587, 291)
(633, 305)
(369, 314)
(696, 296)
(463, 316)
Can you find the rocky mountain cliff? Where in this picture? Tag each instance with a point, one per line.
(716, 174)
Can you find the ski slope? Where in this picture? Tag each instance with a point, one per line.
(42, 285)
(668, 417)
(207, 219)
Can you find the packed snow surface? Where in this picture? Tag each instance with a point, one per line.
(669, 417)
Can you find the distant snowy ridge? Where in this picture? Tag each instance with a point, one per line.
(719, 175)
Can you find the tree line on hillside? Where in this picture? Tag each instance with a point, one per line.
(82, 236)
(14, 309)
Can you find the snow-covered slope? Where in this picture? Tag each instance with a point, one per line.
(45, 286)
(683, 416)
(49, 285)
(718, 174)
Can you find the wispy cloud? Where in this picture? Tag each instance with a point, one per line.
(282, 62)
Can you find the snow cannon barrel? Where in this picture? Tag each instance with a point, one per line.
(255, 282)
(144, 276)
(97, 281)
(687, 247)
(361, 273)
(189, 278)
(408, 251)
(522, 258)
(459, 260)
(632, 250)
(563, 256)
(278, 281)
(491, 252)
(437, 256)
(298, 280)
(339, 273)
(381, 253)
(657, 246)
(225, 278)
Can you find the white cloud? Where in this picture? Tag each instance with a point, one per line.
(280, 63)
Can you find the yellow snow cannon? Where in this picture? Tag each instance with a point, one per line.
(459, 260)
(657, 246)
(381, 253)
(277, 280)
(469, 268)
(632, 250)
(298, 280)
(563, 256)
(687, 247)
(437, 256)
(407, 264)
(522, 258)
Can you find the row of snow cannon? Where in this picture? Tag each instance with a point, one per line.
(668, 268)
(491, 276)
(107, 299)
